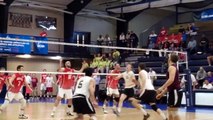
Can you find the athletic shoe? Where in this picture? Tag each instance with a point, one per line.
(52, 114)
(22, 116)
(70, 114)
(105, 111)
(146, 116)
(116, 113)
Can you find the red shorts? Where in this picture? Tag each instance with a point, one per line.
(49, 89)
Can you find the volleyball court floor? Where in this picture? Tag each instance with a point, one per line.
(41, 111)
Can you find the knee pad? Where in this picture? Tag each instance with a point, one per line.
(23, 103)
(154, 107)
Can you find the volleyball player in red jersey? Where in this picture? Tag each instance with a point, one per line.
(66, 86)
(3, 79)
(112, 88)
(16, 82)
(43, 85)
(172, 86)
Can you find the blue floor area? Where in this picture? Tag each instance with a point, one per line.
(127, 105)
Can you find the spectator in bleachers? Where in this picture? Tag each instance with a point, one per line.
(204, 44)
(182, 57)
(163, 32)
(207, 85)
(108, 40)
(193, 79)
(153, 37)
(128, 40)
(209, 77)
(191, 47)
(122, 40)
(152, 74)
(134, 40)
(100, 40)
(201, 75)
(116, 55)
(210, 60)
(151, 45)
(182, 30)
(191, 29)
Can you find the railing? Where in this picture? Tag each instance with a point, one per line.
(55, 48)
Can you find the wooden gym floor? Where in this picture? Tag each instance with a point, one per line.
(42, 111)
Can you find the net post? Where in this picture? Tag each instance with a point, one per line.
(189, 94)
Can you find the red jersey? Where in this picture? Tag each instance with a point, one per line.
(2, 81)
(112, 82)
(34, 82)
(67, 79)
(18, 83)
(43, 78)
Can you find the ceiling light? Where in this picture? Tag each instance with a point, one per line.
(24, 56)
(56, 57)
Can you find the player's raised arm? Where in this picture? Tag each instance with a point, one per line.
(61, 68)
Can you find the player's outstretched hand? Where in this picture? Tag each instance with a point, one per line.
(159, 96)
(95, 104)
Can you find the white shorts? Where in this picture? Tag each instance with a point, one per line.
(67, 92)
(17, 96)
(111, 91)
(42, 86)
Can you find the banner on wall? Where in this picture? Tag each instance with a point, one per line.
(8, 46)
(39, 47)
(204, 15)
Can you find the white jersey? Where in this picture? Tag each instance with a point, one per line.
(49, 81)
(82, 86)
(148, 85)
(128, 78)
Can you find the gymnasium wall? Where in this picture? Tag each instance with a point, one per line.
(59, 33)
(146, 19)
(96, 26)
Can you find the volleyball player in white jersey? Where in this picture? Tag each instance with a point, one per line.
(130, 83)
(147, 90)
(84, 92)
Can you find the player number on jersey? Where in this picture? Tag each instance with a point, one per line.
(19, 83)
(80, 84)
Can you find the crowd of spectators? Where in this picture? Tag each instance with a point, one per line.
(128, 40)
(104, 62)
(184, 40)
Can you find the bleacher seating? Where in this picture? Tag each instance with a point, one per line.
(195, 62)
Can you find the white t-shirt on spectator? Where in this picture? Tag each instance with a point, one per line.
(209, 86)
(122, 37)
(28, 79)
(183, 80)
(49, 81)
